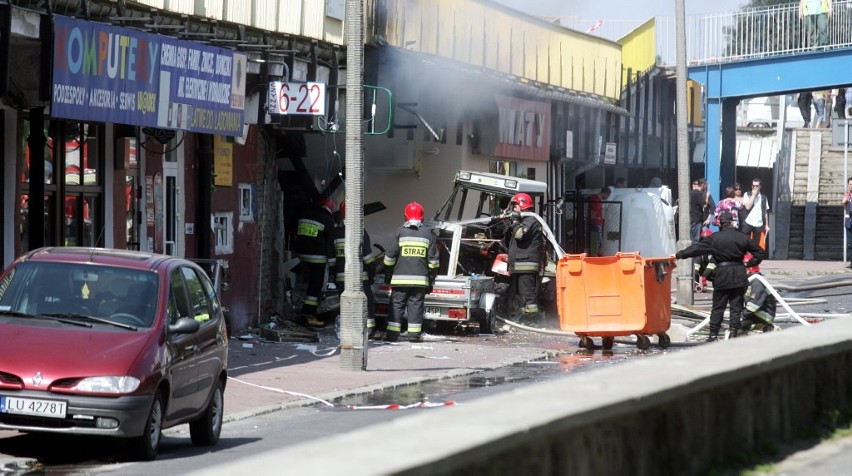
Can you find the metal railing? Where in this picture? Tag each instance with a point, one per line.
(749, 33)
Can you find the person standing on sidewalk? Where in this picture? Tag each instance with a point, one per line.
(757, 218)
(411, 263)
(728, 248)
(699, 217)
(368, 272)
(314, 246)
(596, 220)
(847, 220)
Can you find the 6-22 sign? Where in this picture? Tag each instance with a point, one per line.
(296, 98)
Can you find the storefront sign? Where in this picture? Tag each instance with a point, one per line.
(103, 73)
(296, 98)
(223, 162)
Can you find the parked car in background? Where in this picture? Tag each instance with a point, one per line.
(111, 343)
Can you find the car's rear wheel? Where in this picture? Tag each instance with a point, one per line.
(206, 429)
(145, 446)
(487, 321)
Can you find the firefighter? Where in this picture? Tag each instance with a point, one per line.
(368, 271)
(728, 248)
(525, 241)
(760, 304)
(411, 264)
(314, 246)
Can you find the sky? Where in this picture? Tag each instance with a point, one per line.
(619, 9)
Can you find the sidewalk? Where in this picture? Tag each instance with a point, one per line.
(268, 376)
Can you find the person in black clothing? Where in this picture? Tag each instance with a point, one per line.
(411, 263)
(805, 100)
(728, 248)
(525, 242)
(368, 272)
(698, 208)
(314, 246)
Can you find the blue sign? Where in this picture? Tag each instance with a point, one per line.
(103, 73)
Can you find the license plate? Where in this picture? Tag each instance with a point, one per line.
(32, 407)
(432, 311)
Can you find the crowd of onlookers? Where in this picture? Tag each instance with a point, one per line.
(819, 107)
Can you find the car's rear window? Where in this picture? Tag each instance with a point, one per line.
(126, 296)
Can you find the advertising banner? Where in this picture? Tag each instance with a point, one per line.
(104, 73)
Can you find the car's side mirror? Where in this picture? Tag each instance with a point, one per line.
(185, 325)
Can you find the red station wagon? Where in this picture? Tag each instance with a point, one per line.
(111, 343)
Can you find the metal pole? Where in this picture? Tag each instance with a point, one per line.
(684, 184)
(845, 179)
(353, 301)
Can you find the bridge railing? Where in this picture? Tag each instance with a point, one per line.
(748, 33)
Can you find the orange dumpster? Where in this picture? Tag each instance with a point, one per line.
(609, 296)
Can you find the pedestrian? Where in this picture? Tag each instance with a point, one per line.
(596, 221)
(756, 206)
(314, 246)
(847, 220)
(621, 182)
(840, 103)
(814, 15)
(655, 182)
(698, 216)
(728, 248)
(804, 101)
(728, 204)
(525, 241)
(375, 327)
(849, 102)
(760, 304)
(820, 99)
(411, 264)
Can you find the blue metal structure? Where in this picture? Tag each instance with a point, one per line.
(725, 84)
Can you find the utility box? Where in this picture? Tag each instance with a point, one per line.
(609, 296)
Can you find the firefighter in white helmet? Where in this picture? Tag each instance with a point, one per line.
(411, 264)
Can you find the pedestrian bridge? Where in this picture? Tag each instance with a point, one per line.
(758, 52)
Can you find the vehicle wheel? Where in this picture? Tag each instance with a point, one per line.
(643, 342)
(206, 429)
(487, 321)
(145, 447)
(587, 343)
(664, 340)
(608, 341)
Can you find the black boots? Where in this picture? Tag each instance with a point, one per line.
(733, 333)
(714, 335)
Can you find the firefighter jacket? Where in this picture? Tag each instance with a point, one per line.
(314, 241)
(727, 248)
(525, 242)
(368, 258)
(760, 303)
(412, 257)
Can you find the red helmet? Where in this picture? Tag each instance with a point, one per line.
(751, 269)
(327, 204)
(523, 200)
(413, 211)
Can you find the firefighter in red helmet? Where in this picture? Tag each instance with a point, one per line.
(411, 264)
(525, 241)
(314, 246)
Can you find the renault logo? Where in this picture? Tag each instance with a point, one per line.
(37, 379)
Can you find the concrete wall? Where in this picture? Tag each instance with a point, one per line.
(678, 413)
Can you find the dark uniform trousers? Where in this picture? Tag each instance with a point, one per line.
(406, 300)
(721, 299)
(526, 286)
(316, 278)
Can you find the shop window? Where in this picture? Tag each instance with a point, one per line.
(224, 230)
